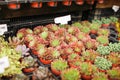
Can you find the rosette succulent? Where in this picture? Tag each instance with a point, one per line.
(104, 32)
(114, 47)
(103, 50)
(70, 74)
(105, 20)
(103, 63)
(113, 19)
(99, 76)
(77, 24)
(102, 39)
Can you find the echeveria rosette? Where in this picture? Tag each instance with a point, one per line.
(103, 63)
(105, 20)
(55, 42)
(100, 76)
(102, 40)
(104, 32)
(44, 34)
(70, 74)
(96, 21)
(85, 29)
(103, 50)
(114, 47)
(22, 49)
(13, 57)
(77, 24)
(94, 26)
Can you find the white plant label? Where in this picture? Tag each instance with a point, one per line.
(115, 8)
(63, 19)
(4, 62)
(3, 28)
(2, 70)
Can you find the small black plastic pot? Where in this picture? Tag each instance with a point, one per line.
(113, 40)
(113, 35)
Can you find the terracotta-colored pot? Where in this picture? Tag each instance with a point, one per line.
(14, 6)
(93, 31)
(86, 77)
(79, 2)
(67, 2)
(90, 1)
(52, 4)
(102, 70)
(119, 38)
(28, 70)
(115, 65)
(36, 4)
(105, 25)
(89, 61)
(72, 65)
(100, 1)
(34, 52)
(56, 72)
(45, 61)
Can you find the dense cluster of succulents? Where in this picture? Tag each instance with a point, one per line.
(69, 50)
(103, 63)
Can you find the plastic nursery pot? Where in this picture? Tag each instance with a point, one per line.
(100, 70)
(45, 61)
(72, 66)
(90, 1)
(28, 70)
(93, 31)
(67, 2)
(86, 77)
(100, 1)
(36, 4)
(14, 6)
(79, 2)
(34, 52)
(105, 25)
(56, 72)
(52, 4)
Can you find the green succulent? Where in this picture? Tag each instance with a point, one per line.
(87, 68)
(113, 19)
(85, 29)
(59, 64)
(105, 20)
(99, 76)
(70, 74)
(114, 73)
(96, 21)
(114, 47)
(55, 42)
(94, 26)
(103, 63)
(103, 50)
(104, 32)
(55, 53)
(77, 24)
(44, 34)
(102, 39)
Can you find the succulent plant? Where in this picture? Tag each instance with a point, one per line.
(87, 68)
(89, 55)
(80, 35)
(77, 24)
(100, 76)
(105, 20)
(96, 21)
(23, 50)
(20, 77)
(55, 53)
(44, 34)
(113, 19)
(13, 59)
(103, 63)
(94, 26)
(59, 64)
(102, 39)
(52, 27)
(91, 44)
(85, 30)
(86, 23)
(103, 50)
(55, 42)
(114, 73)
(30, 61)
(70, 74)
(104, 32)
(73, 57)
(114, 47)
(114, 58)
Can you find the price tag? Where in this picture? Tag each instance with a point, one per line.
(115, 8)
(63, 19)
(4, 62)
(3, 28)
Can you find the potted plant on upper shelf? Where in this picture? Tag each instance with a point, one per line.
(58, 65)
(79, 2)
(67, 2)
(100, 76)
(52, 3)
(36, 4)
(70, 74)
(14, 6)
(114, 74)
